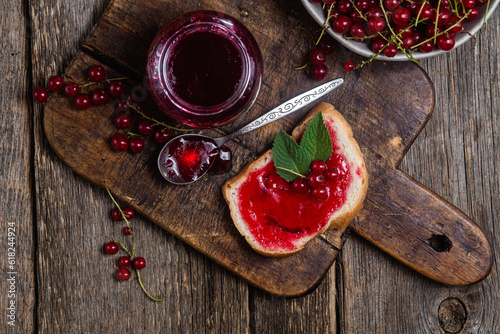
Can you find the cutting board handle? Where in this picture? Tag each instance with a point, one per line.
(423, 231)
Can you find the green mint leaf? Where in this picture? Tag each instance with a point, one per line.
(291, 160)
(316, 140)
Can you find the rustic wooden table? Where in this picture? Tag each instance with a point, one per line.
(63, 283)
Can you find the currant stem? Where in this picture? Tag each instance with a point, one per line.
(123, 247)
(131, 135)
(291, 171)
(325, 26)
(91, 83)
(156, 122)
(126, 221)
(144, 289)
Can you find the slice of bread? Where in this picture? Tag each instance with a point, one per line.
(355, 192)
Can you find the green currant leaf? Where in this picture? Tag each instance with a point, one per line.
(316, 140)
(291, 160)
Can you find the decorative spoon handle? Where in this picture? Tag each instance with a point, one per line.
(284, 109)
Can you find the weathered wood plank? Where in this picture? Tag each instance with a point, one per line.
(78, 291)
(457, 155)
(17, 287)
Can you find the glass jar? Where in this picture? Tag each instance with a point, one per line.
(204, 69)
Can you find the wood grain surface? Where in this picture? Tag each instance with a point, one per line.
(456, 156)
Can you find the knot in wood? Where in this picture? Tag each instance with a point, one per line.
(452, 315)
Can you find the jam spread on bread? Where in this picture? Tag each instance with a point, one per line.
(277, 215)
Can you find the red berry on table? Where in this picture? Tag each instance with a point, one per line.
(40, 94)
(136, 145)
(123, 274)
(445, 42)
(318, 166)
(319, 72)
(349, 66)
(121, 106)
(124, 262)
(390, 51)
(301, 186)
(162, 136)
(82, 101)
(426, 47)
(117, 215)
(401, 16)
(97, 73)
(127, 231)
(111, 248)
(123, 121)
(99, 97)
(119, 143)
(317, 57)
(342, 24)
(327, 44)
(316, 179)
(117, 88)
(129, 213)
(139, 263)
(320, 193)
(71, 89)
(55, 83)
(145, 128)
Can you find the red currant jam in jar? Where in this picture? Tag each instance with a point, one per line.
(204, 69)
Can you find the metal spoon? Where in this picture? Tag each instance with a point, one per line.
(169, 167)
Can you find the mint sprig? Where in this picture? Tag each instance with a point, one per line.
(293, 160)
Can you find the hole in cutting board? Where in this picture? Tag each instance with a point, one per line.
(440, 243)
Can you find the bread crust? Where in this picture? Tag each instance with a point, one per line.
(338, 220)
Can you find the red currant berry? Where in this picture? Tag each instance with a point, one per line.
(97, 73)
(408, 42)
(468, 4)
(321, 193)
(317, 57)
(315, 179)
(55, 83)
(455, 25)
(127, 231)
(345, 6)
(119, 143)
(473, 14)
(443, 18)
(412, 7)
(301, 186)
(356, 18)
(372, 12)
(145, 128)
(162, 136)
(82, 101)
(418, 37)
(327, 44)
(426, 47)
(319, 72)
(136, 145)
(99, 97)
(481, 2)
(391, 4)
(121, 106)
(318, 166)
(445, 42)
(124, 262)
(403, 31)
(332, 174)
(123, 274)
(430, 30)
(342, 24)
(375, 25)
(129, 213)
(390, 51)
(71, 89)
(40, 94)
(377, 44)
(117, 215)
(139, 263)
(401, 16)
(111, 248)
(425, 12)
(349, 66)
(117, 88)
(123, 121)
(357, 30)
(362, 5)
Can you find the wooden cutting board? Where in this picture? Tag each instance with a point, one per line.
(387, 105)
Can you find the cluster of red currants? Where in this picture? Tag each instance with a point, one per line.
(317, 57)
(315, 183)
(404, 25)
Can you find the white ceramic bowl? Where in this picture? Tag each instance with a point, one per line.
(362, 48)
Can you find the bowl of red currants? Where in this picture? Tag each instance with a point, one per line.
(399, 30)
